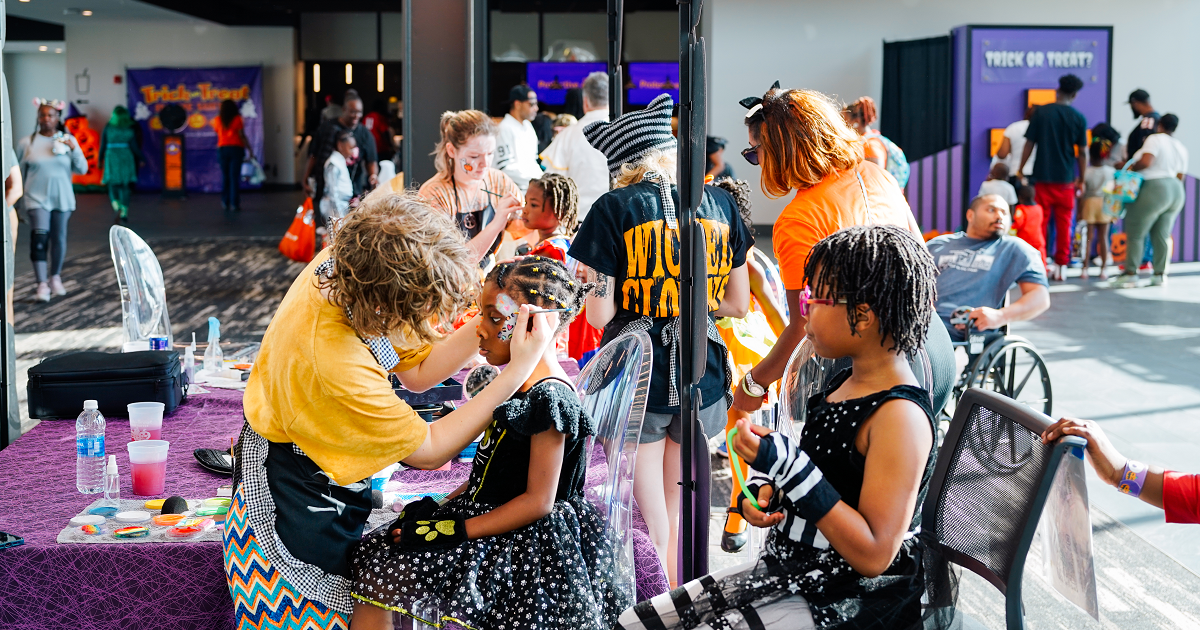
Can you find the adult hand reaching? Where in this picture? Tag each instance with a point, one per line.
(507, 207)
(529, 346)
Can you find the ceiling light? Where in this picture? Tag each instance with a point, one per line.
(24, 0)
(85, 13)
(349, 74)
(379, 78)
(317, 78)
(43, 48)
(58, 50)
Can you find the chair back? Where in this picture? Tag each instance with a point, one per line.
(773, 277)
(143, 293)
(989, 487)
(613, 387)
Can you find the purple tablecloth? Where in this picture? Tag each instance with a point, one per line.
(47, 585)
(44, 584)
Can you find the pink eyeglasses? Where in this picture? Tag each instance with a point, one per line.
(806, 298)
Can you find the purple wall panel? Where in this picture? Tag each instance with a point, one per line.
(926, 218)
(956, 189)
(1187, 224)
(943, 179)
(914, 183)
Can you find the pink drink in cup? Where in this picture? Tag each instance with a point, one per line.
(145, 420)
(148, 458)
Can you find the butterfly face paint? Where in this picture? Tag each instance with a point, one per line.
(508, 308)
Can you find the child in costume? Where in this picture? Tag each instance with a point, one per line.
(749, 339)
(552, 208)
(1027, 221)
(517, 545)
(843, 551)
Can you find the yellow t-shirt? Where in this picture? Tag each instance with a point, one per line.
(317, 385)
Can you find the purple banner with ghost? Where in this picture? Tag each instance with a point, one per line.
(1008, 62)
(200, 92)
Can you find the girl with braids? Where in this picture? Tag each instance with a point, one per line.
(479, 198)
(842, 502)
(551, 208)
(517, 545)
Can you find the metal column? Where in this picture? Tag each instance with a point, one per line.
(616, 26)
(693, 277)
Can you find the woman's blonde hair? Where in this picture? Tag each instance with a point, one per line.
(802, 140)
(401, 268)
(657, 160)
(458, 128)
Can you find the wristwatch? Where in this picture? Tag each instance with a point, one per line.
(751, 388)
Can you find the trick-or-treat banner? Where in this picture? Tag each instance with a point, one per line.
(200, 92)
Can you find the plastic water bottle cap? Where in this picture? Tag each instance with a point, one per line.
(90, 404)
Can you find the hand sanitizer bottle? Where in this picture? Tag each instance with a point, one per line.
(112, 483)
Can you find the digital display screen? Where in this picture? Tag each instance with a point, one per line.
(648, 80)
(551, 80)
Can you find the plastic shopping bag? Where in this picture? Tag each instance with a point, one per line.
(252, 172)
(299, 242)
(1127, 184)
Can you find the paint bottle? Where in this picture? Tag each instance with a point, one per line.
(214, 359)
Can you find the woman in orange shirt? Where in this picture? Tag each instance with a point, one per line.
(232, 146)
(802, 143)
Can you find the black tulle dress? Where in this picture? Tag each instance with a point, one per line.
(557, 572)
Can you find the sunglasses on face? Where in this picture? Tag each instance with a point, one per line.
(806, 299)
(751, 154)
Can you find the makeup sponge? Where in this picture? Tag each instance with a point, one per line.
(174, 505)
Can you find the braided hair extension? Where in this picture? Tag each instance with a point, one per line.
(740, 189)
(543, 282)
(562, 195)
(884, 267)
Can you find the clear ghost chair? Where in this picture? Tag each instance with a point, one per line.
(774, 280)
(613, 388)
(143, 293)
(807, 373)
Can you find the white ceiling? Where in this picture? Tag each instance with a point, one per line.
(53, 11)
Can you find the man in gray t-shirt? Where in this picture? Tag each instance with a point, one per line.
(978, 267)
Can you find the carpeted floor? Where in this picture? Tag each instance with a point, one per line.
(240, 281)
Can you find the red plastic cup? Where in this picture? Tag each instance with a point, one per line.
(148, 459)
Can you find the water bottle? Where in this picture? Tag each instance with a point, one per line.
(89, 449)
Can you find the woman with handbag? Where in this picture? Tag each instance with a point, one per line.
(321, 414)
(232, 147)
(1162, 162)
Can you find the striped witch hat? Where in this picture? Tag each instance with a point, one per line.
(633, 135)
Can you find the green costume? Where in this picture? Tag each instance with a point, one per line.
(121, 153)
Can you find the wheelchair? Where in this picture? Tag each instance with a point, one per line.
(1004, 363)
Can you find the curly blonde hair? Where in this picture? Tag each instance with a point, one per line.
(664, 162)
(401, 268)
(802, 140)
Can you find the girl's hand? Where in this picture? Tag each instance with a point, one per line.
(753, 515)
(1105, 458)
(528, 346)
(746, 441)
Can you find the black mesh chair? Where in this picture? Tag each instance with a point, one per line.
(988, 489)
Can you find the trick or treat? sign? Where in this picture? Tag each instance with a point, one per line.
(200, 92)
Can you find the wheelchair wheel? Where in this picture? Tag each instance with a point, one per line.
(1012, 368)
